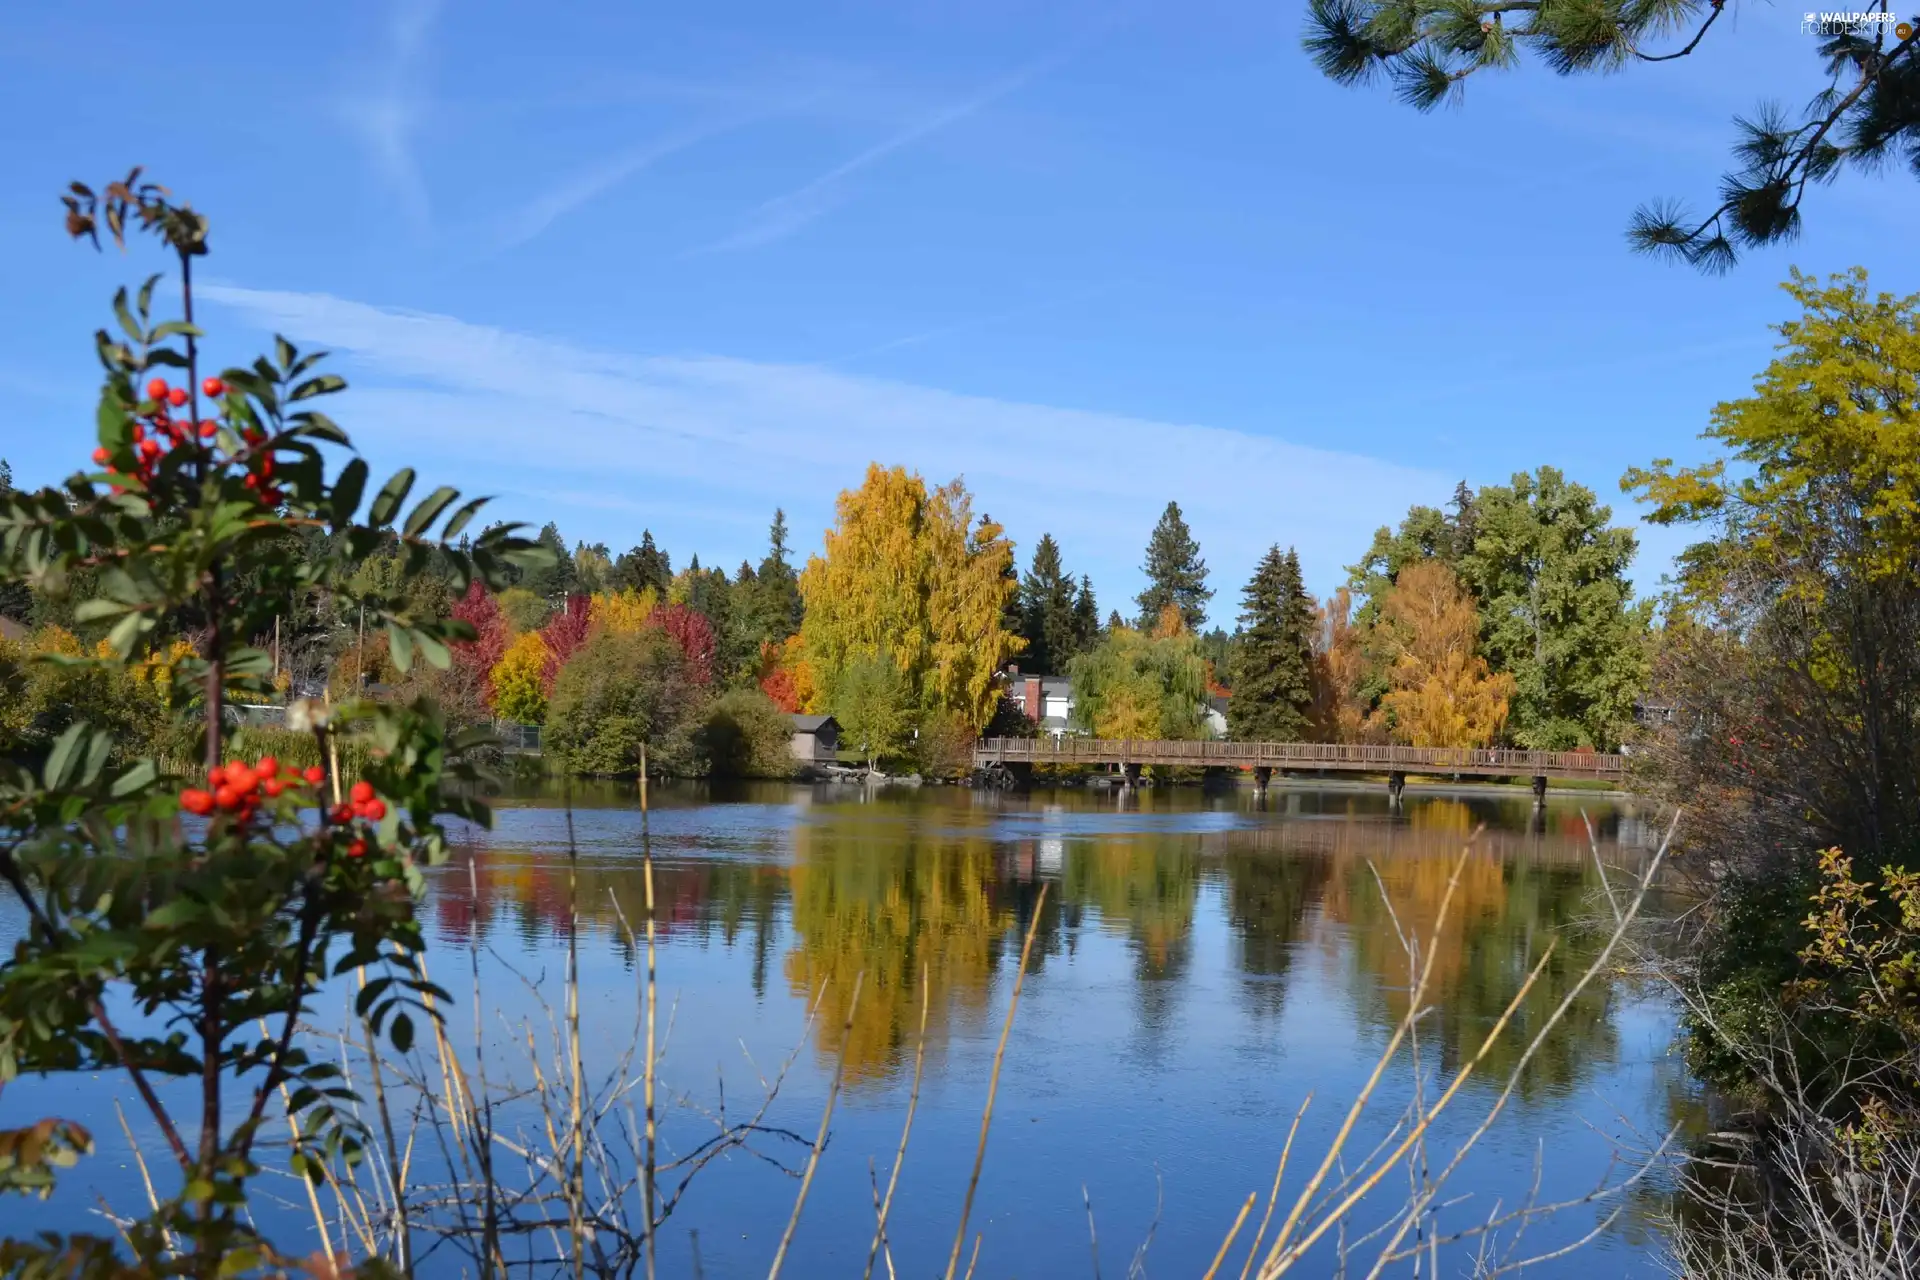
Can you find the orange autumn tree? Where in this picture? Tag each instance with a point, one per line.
(1440, 692)
(1341, 671)
(909, 574)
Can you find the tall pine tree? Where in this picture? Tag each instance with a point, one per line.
(1086, 617)
(644, 566)
(1273, 656)
(1176, 575)
(779, 585)
(558, 579)
(1047, 619)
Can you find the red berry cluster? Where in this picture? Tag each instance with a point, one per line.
(237, 789)
(156, 432)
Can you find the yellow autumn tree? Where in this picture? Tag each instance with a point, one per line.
(904, 575)
(970, 579)
(623, 612)
(518, 694)
(1440, 692)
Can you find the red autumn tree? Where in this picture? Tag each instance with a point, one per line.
(564, 635)
(689, 629)
(778, 685)
(474, 660)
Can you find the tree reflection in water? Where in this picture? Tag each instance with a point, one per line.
(945, 883)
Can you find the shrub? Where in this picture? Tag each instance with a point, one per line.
(621, 693)
(747, 735)
(944, 748)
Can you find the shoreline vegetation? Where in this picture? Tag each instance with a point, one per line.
(196, 893)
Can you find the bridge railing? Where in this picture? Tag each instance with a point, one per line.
(1302, 755)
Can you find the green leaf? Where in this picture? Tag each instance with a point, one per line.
(132, 330)
(347, 490)
(318, 385)
(173, 328)
(429, 510)
(110, 419)
(401, 1032)
(139, 777)
(125, 632)
(400, 641)
(436, 653)
(98, 608)
(370, 993)
(96, 758)
(60, 760)
(463, 517)
(388, 501)
(284, 352)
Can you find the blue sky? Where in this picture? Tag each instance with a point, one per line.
(671, 266)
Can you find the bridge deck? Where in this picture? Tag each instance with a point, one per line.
(1353, 758)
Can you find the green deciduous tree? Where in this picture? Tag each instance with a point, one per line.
(1557, 611)
(746, 735)
(873, 701)
(621, 693)
(1137, 685)
(1176, 575)
(1867, 111)
(1272, 669)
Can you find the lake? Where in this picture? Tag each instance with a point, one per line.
(1202, 964)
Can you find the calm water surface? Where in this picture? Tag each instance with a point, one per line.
(1202, 964)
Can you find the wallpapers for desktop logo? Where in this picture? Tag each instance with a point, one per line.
(1837, 23)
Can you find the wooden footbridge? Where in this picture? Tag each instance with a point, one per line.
(1012, 758)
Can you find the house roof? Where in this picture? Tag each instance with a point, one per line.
(813, 724)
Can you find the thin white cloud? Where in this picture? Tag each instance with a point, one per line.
(388, 115)
(527, 222)
(785, 214)
(711, 445)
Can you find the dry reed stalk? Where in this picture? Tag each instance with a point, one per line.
(650, 1170)
(993, 1086)
(820, 1140)
(146, 1179)
(576, 1176)
(1279, 1172)
(1240, 1221)
(1305, 1199)
(884, 1207)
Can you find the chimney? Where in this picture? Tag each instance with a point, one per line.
(1034, 707)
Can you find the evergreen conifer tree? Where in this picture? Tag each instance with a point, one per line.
(1047, 619)
(1086, 617)
(778, 604)
(558, 579)
(1176, 575)
(1272, 656)
(642, 567)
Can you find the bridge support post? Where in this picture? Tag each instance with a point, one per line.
(1539, 789)
(1262, 775)
(1130, 776)
(1396, 783)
